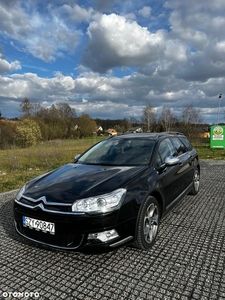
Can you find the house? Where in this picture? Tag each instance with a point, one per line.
(112, 132)
(135, 130)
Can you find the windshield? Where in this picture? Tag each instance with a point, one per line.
(119, 152)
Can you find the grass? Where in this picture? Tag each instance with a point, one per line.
(20, 165)
(205, 152)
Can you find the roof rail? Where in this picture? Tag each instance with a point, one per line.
(173, 132)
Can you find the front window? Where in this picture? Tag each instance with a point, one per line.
(186, 143)
(119, 152)
(165, 149)
(179, 146)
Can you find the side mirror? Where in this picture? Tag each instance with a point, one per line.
(76, 158)
(171, 160)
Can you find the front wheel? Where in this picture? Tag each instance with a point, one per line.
(147, 224)
(195, 183)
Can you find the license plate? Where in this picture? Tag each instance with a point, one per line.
(39, 225)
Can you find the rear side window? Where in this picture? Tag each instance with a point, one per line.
(179, 146)
(186, 143)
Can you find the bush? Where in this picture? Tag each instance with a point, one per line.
(28, 133)
(7, 133)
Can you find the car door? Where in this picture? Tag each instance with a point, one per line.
(170, 176)
(186, 165)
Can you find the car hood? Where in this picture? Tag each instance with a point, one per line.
(75, 181)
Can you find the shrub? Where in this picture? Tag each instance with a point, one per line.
(28, 133)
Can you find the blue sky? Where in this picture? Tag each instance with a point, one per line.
(109, 58)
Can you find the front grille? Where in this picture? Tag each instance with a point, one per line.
(45, 205)
(68, 241)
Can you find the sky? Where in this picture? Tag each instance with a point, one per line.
(109, 58)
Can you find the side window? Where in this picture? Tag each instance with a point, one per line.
(186, 143)
(165, 149)
(179, 146)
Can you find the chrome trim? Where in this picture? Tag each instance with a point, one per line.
(129, 238)
(45, 244)
(41, 206)
(43, 199)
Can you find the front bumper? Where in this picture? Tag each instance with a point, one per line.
(71, 231)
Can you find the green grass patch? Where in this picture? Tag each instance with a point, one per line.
(20, 165)
(205, 152)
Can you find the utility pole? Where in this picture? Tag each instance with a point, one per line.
(218, 113)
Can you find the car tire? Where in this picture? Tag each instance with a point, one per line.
(147, 224)
(195, 183)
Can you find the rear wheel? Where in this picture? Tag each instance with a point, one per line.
(196, 183)
(147, 224)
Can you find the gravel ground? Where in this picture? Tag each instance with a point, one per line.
(187, 261)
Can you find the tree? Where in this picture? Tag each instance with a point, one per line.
(192, 119)
(167, 119)
(134, 122)
(65, 110)
(69, 116)
(125, 125)
(36, 107)
(7, 133)
(86, 125)
(26, 107)
(27, 133)
(149, 117)
(60, 119)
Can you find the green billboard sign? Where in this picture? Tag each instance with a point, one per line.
(217, 136)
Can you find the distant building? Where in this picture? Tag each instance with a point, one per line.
(112, 131)
(135, 130)
(99, 128)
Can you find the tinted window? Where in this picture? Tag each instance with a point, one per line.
(119, 152)
(165, 149)
(179, 146)
(186, 143)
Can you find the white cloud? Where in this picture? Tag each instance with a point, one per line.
(45, 36)
(19, 86)
(6, 67)
(116, 42)
(108, 97)
(170, 55)
(16, 21)
(55, 37)
(77, 13)
(145, 11)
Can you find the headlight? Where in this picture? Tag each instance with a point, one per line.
(100, 204)
(20, 193)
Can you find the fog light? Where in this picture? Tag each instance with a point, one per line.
(104, 236)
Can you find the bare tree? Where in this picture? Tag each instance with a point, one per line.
(192, 120)
(134, 121)
(66, 111)
(36, 107)
(167, 119)
(149, 117)
(26, 107)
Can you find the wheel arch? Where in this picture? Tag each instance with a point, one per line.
(138, 236)
(159, 199)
